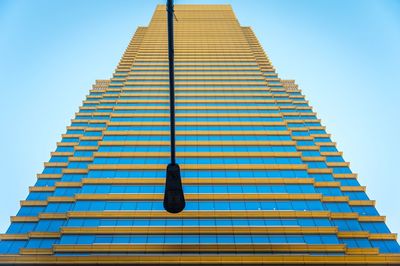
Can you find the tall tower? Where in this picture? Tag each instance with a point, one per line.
(263, 181)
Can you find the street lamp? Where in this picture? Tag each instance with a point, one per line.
(174, 199)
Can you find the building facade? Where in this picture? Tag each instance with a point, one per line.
(263, 181)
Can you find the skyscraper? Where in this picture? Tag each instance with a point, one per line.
(263, 181)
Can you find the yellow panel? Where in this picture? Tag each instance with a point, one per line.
(344, 215)
(74, 171)
(360, 257)
(362, 202)
(353, 234)
(362, 251)
(44, 235)
(319, 171)
(41, 189)
(335, 199)
(372, 218)
(57, 216)
(49, 164)
(13, 237)
(38, 251)
(338, 164)
(313, 159)
(33, 203)
(307, 148)
(24, 219)
(60, 199)
(382, 236)
(345, 176)
(327, 184)
(68, 184)
(353, 188)
(62, 153)
(80, 159)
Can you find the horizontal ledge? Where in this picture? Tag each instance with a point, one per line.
(353, 188)
(188, 230)
(362, 202)
(367, 234)
(74, 171)
(52, 216)
(188, 181)
(363, 251)
(44, 235)
(33, 203)
(200, 248)
(345, 176)
(24, 219)
(36, 252)
(372, 218)
(378, 236)
(41, 189)
(338, 164)
(353, 234)
(335, 199)
(200, 197)
(160, 197)
(40, 257)
(68, 184)
(218, 230)
(203, 115)
(198, 143)
(194, 101)
(319, 170)
(327, 184)
(307, 148)
(166, 89)
(208, 181)
(14, 237)
(197, 132)
(184, 83)
(216, 123)
(49, 176)
(344, 215)
(200, 214)
(198, 107)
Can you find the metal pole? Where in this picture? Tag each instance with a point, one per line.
(174, 199)
(170, 20)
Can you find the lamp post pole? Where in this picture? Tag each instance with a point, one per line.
(170, 20)
(174, 199)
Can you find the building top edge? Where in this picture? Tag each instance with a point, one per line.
(197, 7)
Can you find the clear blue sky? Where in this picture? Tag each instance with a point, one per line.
(345, 55)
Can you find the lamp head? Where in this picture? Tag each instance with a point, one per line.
(174, 199)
